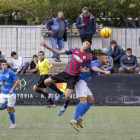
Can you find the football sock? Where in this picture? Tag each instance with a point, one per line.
(51, 102)
(41, 91)
(66, 103)
(54, 87)
(79, 110)
(86, 108)
(12, 117)
(4, 106)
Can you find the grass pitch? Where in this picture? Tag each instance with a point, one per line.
(100, 123)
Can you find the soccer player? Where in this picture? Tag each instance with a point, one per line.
(83, 92)
(43, 66)
(79, 59)
(8, 93)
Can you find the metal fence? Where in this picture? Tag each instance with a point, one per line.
(26, 40)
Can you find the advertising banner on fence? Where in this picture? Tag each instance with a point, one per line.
(26, 95)
(107, 90)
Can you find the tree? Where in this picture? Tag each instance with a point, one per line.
(7, 7)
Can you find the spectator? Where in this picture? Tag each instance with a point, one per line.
(3, 57)
(58, 33)
(115, 51)
(129, 63)
(20, 66)
(33, 64)
(110, 65)
(87, 25)
(91, 52)
(0, 64)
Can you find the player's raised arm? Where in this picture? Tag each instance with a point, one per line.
(51, 49)
(100, 70)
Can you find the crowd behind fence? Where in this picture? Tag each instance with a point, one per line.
(26, 40)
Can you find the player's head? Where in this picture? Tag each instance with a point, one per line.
(60, 15)
(3, 64)
(14, 55)
(85, 11)
(103, 58)
(91, 52)
(128, 52)
(35, 57)
(86, 44)
(41, 55)
(113, 43)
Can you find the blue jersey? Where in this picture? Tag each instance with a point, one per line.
(86, 77)
(78, 59)
(7, 81)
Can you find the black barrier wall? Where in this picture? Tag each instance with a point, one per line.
(107, 90)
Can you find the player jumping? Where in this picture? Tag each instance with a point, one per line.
(79, 59)
(83, 92)
(43, 66)
(8, 93)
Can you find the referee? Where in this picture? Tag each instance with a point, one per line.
(43, 66)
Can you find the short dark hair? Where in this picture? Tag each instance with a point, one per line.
(113, 42)
(40, 52)
(3, 61)
(128, 49)
(35, 55)
(102, 54)
(0, 52)
(88, 40)
(90, 51)
(13, 53)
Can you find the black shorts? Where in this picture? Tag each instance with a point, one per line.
(40, 83)
(65, 77)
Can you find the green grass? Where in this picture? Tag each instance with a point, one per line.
(100, 123)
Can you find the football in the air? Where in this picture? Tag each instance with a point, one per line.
(106, 32)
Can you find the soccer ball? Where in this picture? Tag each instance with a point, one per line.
(106, 32)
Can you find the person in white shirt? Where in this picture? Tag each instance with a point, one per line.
(19, 66)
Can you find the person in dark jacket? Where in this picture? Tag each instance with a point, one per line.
(129, 63)
(115, 51)
(87, 25)
(58, 33)
(33, 64)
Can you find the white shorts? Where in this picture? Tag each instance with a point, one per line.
(81, 89)
(11, 99)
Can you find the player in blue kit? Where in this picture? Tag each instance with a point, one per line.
(8, 93)
(83, 92)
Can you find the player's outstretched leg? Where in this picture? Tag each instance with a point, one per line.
(64, 107)
(12, 117)
(79, 110)
(11, 102)
(61, 94)
(3, 106)
(48, 96)
(90, 101)
(66, 102)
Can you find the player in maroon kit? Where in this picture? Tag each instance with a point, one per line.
(79, 59)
